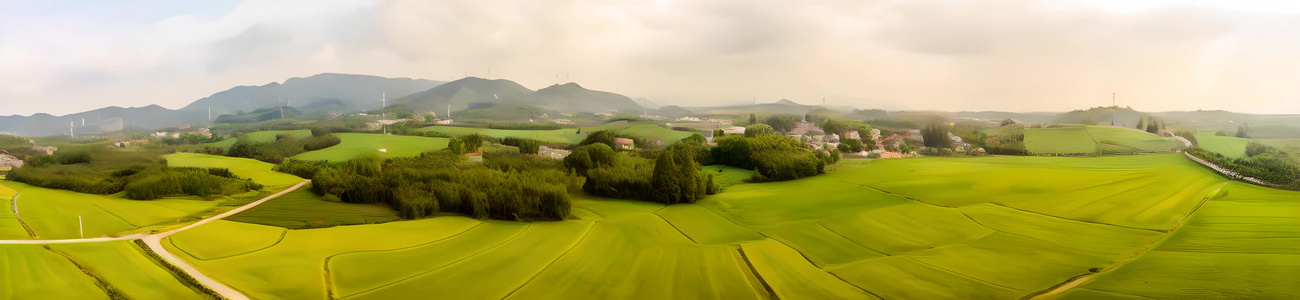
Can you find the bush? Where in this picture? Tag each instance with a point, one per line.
(302, 168)
(589, 157)
(775, 165)
(757, 130)
(320, 142)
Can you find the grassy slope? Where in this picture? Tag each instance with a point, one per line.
(1244, 245)
(1065, 140)
(259, 171)
(10, 228)
(1081, 139)
(52, 214)
(1234, 147)
(124, 265)
(726, 176)
(304, 209)
(207, 242)
(1141, 141)
(262, 136)
(27, 270)
(991, 227)
(355, 145)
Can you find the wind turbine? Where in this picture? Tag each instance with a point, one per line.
(72, 133)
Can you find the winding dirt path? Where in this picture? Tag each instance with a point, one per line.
(154, 241)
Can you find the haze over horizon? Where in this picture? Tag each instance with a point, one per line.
(61, 57)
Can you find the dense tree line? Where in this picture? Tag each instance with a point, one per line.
(155, 183)
(526, 146)
(1263, 162)
(782, 122)
(773, 157)
(673, 177)
(432, 183)
(191, 139)
(283, 147)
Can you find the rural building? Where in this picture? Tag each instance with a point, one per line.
(10, 161)
(625, 144)
(49, 150)
(805, 127)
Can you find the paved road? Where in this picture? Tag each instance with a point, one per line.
(155, 243)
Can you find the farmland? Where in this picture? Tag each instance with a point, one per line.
(1081, 139)
(937, 232)
(53, 214)
(355, 145)
(304, 209)
(260, 172)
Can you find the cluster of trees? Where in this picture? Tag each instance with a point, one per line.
(772, 156)
(1243, 131)
(782, 122)
(155, 183)
(1010, 144)
(1151, 124)
(526, 146)
(936, 135)
(673, 177)
(283, 147)
(191, 139)
(1263, 162)
(468, 143)
(427, 185)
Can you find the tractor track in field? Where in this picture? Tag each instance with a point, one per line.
(13, 205)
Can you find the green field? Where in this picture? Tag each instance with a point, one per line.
(53, 214)
(570, 135)
(262, 136)
(355, 145)
(1081, 139)
(27, 270)
(726, 176)
(259, 171)
(303, 209)
(1064, 140)
(926, 228)
(1234, 147)
(10, 228)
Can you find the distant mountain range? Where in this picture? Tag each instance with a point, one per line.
(475, 95)
(319, 93)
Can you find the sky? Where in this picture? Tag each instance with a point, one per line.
(63, 57)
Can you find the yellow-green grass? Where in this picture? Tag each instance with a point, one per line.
(1243, 245)
(706, 227)
(791, 276)
(599, 208)
(907, 228)
(1289, 144)
(302, 208)
(823, 246)
(124, 266)
(30, 271)
(1141, 191)
(52, 214)
(1229, 146)
(208, 242)
(1064, 140)
(355, 145)
(496, 272)
(358, 272)
(10, 228)
(294, 267)
(1139, 141)
(725, 176)
(900, 277)
(642, 257)
(259, 171)
(774, 204)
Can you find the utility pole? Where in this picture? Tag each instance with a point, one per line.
(80, 227)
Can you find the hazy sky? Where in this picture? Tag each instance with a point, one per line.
(62, 57)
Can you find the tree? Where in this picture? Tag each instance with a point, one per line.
(851, 146)
(1008, 121)
(1142, 123)
(936, 136)
(1153, 127)
(603, 137)
(782, 123)
(471, 142)
(665, 185)
(719, 133)
(753, 119)
(759, 130)
(1243, 130)
(456, 146)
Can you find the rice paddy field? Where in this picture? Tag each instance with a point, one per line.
(259, 171)
(926, 228)
(52, 214)
(1234, 147)
(570, 135)
(1087, 139)
(355, 145)
(64, 271)
(303, 209)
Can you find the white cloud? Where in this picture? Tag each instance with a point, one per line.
(972, 55)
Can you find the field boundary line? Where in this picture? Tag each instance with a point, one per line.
(679, 230)
(108, 288)
(1086, 277)
(962, 275)
(115, 215)
(329, 280)
(1081, 221)
(557, 259)
(819, 223)
(511, 239)
(283, 233)
(757, 275)
(13, 205)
